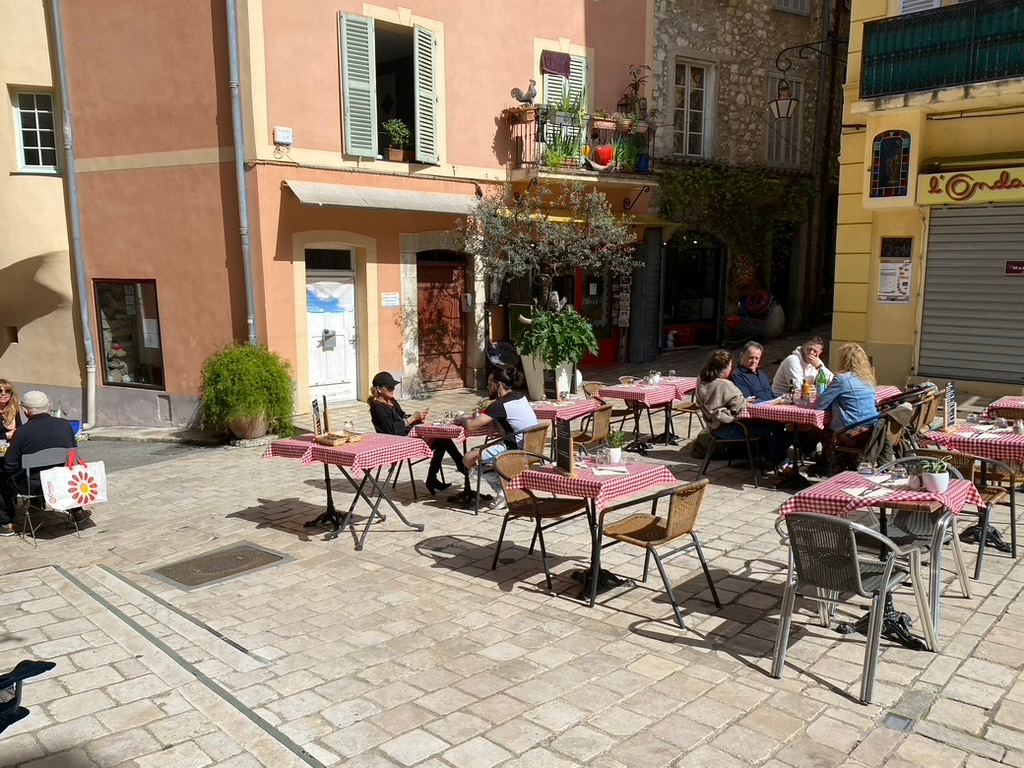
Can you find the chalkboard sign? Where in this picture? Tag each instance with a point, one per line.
(949, 407)
(565, 455)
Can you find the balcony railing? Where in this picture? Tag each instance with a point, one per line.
(956, 45)
(568, 143)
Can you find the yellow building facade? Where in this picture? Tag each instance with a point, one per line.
(930, 241)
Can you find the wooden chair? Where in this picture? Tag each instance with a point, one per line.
(752, 444)
(600, 431)
(650, 532)
(523, 504)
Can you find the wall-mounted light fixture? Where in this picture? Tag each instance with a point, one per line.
(784, 106)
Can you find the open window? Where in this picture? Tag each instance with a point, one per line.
(388, 72)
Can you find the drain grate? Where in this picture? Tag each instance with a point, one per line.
(218, 565)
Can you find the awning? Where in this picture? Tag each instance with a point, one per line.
(349, 196)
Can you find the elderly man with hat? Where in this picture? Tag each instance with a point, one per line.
(39, 432)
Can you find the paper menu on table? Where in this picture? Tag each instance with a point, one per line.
(866, 493)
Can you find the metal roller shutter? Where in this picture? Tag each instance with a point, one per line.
(972, 325)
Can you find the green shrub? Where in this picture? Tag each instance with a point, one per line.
(558, 337)
(242, 381)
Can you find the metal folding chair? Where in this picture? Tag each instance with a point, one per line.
(32, 463)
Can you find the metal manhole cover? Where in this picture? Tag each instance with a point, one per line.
(218, 565)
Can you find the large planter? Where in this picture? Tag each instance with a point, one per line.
(248, 427)
(400, 155)
(533, 368)
(935, 482)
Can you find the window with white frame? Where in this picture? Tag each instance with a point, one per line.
(381, 66)
(37, 139)
(561, 90)
(693, 100)
(794, 6)
(785, 136)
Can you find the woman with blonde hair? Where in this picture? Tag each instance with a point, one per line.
(10, 410)
(851, 396)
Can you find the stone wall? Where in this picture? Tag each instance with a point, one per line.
(739, 40)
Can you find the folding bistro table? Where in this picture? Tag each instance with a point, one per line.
(644, 396)
(600, 491)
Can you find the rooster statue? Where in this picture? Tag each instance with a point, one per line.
(528, 97)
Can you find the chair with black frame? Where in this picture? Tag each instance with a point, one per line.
(690, 409)
(752, 444)
(33, 464)
(523, 504)
(824, 559)
(600, 429)
(981, 472)
(650, 531)
(11, 685)
(533, 442)
(591, 389)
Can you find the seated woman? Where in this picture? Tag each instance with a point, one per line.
(10, 410)
(389, 418)
(850, 398)
(722, 403)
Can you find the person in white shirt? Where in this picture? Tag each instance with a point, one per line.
(804, 363)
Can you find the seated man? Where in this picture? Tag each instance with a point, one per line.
(39, 432)
(749, 378)
(512, 411)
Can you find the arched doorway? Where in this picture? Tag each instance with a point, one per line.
(440, 283)
(692, 289)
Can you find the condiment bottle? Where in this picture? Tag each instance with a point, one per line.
(1018, 427)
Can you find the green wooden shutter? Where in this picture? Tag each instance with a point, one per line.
(358, 85)
(424, 68)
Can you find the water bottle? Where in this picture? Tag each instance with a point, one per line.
(822, 381)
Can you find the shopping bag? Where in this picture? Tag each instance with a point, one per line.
(75, 485)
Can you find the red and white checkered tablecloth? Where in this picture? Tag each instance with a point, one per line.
(685, 385)
(886, 392)
(454, 432)
(829, 497)
(603, 490)
(565, 411)
(1004, 446)
(374, 450)
(785, 413)
(1010, 402)
(292, 448)
(648, 394)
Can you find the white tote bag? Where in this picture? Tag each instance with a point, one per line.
(75, 485)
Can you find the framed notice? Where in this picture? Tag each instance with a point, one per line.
(949, 407)
(895, 268)
(565, 455)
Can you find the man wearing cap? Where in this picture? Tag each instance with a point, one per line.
(39, 432)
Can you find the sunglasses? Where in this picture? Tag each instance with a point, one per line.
(6, 391)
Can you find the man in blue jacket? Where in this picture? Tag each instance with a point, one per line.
(749, 378)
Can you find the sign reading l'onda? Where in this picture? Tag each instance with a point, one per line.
(993, 185)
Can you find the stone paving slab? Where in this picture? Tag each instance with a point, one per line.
(414, 653)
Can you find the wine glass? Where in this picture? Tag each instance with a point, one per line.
(348, 426)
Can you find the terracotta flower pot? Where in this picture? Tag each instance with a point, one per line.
(400, 155)
(248, 427)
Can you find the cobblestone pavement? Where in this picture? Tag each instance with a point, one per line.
(413, 653)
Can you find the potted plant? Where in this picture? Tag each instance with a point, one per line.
(560, 340)
(935, 476)
(601, 121)
(566, 110)
(247, 390)
(399, 139)
(616, 442)
(518, 114)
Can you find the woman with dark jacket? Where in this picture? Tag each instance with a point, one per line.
(389, 418)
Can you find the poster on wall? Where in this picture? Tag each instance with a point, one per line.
(894, 270)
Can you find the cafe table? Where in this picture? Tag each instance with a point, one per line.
(985, 440)
(849, 492)
(457, 433)
(644, 396)
(602, 487)
(365, 457)
(1009, 407)
(685, 385)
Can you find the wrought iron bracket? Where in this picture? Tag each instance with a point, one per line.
(627, 204)
(829, 47)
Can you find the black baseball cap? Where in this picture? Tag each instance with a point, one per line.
(384, 379)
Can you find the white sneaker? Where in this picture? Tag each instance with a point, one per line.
(498, 503)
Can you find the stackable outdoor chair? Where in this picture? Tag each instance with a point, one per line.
(33, 464)
(533, 442)
(11, 684)
(752, 444)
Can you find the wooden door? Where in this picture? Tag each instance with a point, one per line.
(442, 334)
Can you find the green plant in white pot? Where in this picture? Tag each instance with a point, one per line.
(616, 442)
(560, 339)
(935, 476)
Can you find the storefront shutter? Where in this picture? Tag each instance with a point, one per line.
(426, 96)
(973, 312)
(913, 6)
(359, 85)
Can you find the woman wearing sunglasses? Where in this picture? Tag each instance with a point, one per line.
(10, 411)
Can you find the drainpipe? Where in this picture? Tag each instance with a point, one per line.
(240, 180)
(71, 182)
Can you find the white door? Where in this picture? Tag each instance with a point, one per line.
(331, 320)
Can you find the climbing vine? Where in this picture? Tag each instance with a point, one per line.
(740, 205)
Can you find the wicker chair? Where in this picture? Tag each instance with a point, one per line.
(11, 684)
(523, 504)
(533, 442)
(752, 444)
(650, 531)
(599, 432)
(690, 409)
(591, 388)
(824, 558)
(991, 472)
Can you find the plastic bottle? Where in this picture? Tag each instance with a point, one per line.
(822, 381)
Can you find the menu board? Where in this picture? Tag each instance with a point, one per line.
(565, 454)
(949, 407)
(895, 270)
